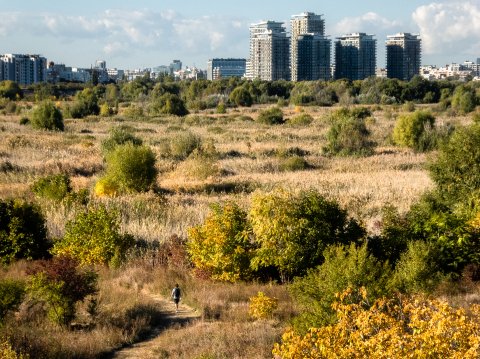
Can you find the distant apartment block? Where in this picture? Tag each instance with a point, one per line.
(302, 24)
(466, 71)
(312, 60)
(225, 68)
(269, 52)
(355, 56)
(403, 56)
(23, 69)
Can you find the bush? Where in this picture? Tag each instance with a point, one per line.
(60, 283)
(303, 119)
(271, 116)
(417, 270)
(86, 104)
(54, 187)
(262, 306)
(12, 293)
(221, 246)
(240, 96)
(105, 110)
(344, 267)
(198, 166)
(294, 163)
(119, 135)
(131, 168)
(407, 327)
(169, 104)
(291, 230)
(10, 89)
(7, 352)
(24, 121)
(47, 117)
(93, 237)
(22, 232)
(348, 133)
(464, 99)
(409, 128)
(182, 145)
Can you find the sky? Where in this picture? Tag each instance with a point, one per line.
(148, 33)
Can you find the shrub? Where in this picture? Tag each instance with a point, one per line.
(344, 267)
(417, 270)
(198, 166)
(47, 117)
(409, 128)
(303, 119)
(119, 135)
(169, 104)
(7, 352)
(271, 116)
(93, 237)
(86, 104)
(10, 89)
(183, 144)
(410, 327)
(24, 121)
(294, 163)
(464, 99)
(105, 110)
(262, 306)
(221, 246)
(221, 108)
(12, 293)
(291, 230)
(131, 168)
(22, 232)
(348, 133)
(240, 96)
(134, 112)
(54, 187)
(60, 283)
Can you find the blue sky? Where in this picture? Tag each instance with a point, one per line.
(147, 33)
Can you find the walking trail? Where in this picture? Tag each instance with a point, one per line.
(146, 349)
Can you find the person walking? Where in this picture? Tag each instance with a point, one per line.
(176, 295)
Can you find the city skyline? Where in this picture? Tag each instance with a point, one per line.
(146, 34)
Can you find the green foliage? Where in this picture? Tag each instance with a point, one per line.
(54, 187)
(348, 134)
(182, 145)
(10, 89)
(456, 171)
(24, 121)
(61, 283)
(221, 246)
(199, 165)
(169, 104)
(221, 108)
(271, 116)
(131, 168)
(410, 128)
(86, 104)
(7, 352)
(291, 230)
(343, 268)
(94, 237)
(294, 163)
(119, 135)
(303, 119)
(22, 232)
(417, 270)
(105, 110)
(464, 99)
(12, 293)
(240, 96)
(47, 116)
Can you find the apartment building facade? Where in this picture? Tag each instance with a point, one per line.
(403, 56)
(23, 69)
(225, 68)
(355, 56)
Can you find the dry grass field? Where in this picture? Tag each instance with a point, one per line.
(249, 158)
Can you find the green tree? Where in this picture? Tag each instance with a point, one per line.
(240, 96)
(291, 230)
(221, 246)
(22, 232)
(344, 267)
(47, 116)
(464, 99)
(10, 89)
(169, 104)
(93, 237)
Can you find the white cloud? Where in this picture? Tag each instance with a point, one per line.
(370, 22)
(451, 27)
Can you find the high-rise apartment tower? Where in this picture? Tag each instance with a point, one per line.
(403, 56)
(305, 23)
(269, 52)
(355, 56)
(312, 60)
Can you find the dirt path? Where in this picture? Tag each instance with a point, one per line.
(147, 349)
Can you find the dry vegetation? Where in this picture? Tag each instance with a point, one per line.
(248, 159)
